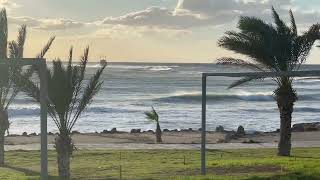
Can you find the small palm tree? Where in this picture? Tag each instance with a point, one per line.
(69, 96)
(11, 73)
(153, 116)
(272, 47)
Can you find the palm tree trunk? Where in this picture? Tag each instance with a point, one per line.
(158, 133)
(64, 148)
(4, 125)
(285, 97)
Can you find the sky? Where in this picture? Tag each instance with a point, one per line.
(176, 31)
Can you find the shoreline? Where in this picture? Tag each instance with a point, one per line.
(303, 135)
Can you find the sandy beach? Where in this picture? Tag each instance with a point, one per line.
(172, 140)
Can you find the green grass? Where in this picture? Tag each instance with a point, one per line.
(169, 164)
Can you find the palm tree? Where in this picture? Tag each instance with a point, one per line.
(69, 96)
(11, 72)
(272, 47)
(153, 116)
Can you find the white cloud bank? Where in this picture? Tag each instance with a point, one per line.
(186, 15)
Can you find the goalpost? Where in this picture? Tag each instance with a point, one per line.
(315, 73)
(42, 67)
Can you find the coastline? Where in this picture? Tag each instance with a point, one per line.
(171, 140)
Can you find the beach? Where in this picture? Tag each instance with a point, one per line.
(172, 140)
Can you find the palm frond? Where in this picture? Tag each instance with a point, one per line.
(277, 48)
(152, 115)
(243, 81)
(89, 92)
(239, 62)
(46, 48)
(294, 29)
(21, 40)
(282, 28)
(3, 34)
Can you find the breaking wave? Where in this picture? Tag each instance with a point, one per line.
(232, 96)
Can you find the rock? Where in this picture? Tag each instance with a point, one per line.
(241, 131)
(105, 131)
(220, 129)
(33, 134)
(24, 134)
(251, 142)
(190, 129)
(306, 127)
(50, 133)
(200, 129)
(75, 132)
(113, 130)
(150, 131)
(135, 131)
(175, 130)
(166, 130)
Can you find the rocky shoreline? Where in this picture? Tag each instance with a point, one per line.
(240, 132)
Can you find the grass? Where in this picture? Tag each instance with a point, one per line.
(171, 164)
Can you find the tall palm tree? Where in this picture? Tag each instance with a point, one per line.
(153, 116)
(272, 47)
(69, 96)
(10, 72)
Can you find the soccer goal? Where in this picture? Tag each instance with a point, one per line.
(258, 75)
(41, 66)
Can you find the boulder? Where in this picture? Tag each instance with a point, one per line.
(113, 130)
(135, 131)
(105, 131)
(241, 131)
(150, 131)
(75, 132)
(166, 130)
(301, 127)
(220, 129)
(50, 133)
(33, 134)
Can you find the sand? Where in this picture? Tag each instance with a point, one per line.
(172, 140)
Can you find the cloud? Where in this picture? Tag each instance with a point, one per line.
(196, 13)
(47, 24)
(154, 17)
(127, 32)
(8, 4)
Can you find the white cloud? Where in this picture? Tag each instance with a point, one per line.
(8, 4)
(47, 24)
(127, 32)
(196, 13)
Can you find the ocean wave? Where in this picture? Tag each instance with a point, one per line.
(35, 111)
(144, 68)
(185, 97)
(197, 96)
(306, 109)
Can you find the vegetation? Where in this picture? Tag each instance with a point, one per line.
(69, 96)
(272, 47)
(153, 116)
(170, 164)
(10, 73)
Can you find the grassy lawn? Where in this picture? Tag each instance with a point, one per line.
(171, 164)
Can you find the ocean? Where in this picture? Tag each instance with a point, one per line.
(174, 90)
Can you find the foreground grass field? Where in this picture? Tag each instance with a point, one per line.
(171, 164)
